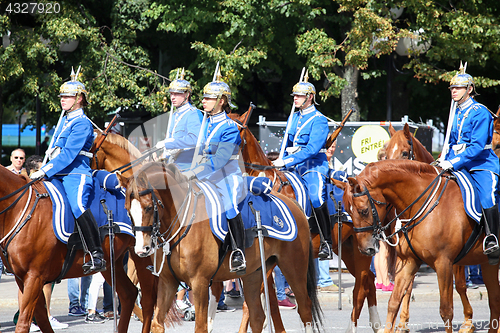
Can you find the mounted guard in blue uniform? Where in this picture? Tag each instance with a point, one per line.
(304, 150)
(221, 140)
(69, 161)
(469, 148)
(183, 126)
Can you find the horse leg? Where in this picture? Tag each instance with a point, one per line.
(199, 287)
(461, 287)
(404, 317)
(149, 289)
(444, 272)
(125, 289)
(364, 284)
(401, 284)
(490, 278)
(31, 297)
(40, 314)
(167, 288)
(132, 275)
(252, 284)
(296, 273)
(215, 293)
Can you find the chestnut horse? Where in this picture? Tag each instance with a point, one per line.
(438, 228)
(31, 251)
(403, 145)
(159, 192)
(114, 153)
(358, 265)
(495, 143)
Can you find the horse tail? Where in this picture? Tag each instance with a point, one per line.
(312, 292)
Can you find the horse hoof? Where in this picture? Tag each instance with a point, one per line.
(402, 330)
(467, 328)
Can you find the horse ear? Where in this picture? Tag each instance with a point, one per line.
(496, 122)
(392, 131)
(406, 131)
(353, 183)
(340, 184)
(122, 179)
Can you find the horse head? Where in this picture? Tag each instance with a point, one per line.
(251, 150)
(151, 196)
(495, 143)
(114, 152)
(403, 145)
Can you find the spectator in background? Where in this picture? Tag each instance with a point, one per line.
(33, 163)
(78, 305)
(17, 161)
(44, 145)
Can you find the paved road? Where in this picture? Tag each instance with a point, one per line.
(424, 310)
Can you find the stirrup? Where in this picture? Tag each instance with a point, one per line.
(493, 248)
(241, 269)
(330, 252)
(91, 267)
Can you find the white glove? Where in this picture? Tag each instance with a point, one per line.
(279, 163)
(171, 152)
(160, 145)
(189, 174)
(37, 174)
(446, 165)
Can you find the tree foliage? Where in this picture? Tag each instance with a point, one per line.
(129, 50)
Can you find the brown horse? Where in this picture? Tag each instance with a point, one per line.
(35, 256)
(357, 264)
(160, 193)
(495, 143)
(400, 183)
(403, 145)
(114, 153)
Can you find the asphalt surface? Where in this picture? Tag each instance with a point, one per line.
(425, 296)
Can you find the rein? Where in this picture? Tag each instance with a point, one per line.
(128, 166)
(379, 230)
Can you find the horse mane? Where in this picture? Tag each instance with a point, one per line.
(121, 142)
(369, 174)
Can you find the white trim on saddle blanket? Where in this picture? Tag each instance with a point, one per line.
(63, 222)
(275, 214)
(472, 203)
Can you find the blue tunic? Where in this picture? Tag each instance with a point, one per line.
(470, 148)
(305, 151)
(183, 135)
(73, 137)
(219, 165)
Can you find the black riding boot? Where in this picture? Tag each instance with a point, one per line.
(490, 242)
(323, 217)
(90, 233)
(237, 262)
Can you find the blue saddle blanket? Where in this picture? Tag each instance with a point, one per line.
(472, 203)
(275, 215)
(63, 221)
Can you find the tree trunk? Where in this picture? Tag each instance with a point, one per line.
(349, 94)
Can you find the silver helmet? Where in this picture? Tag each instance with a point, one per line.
(73, 87)
(304, 88)
(217, 88)
(179, 85)
(462, 79)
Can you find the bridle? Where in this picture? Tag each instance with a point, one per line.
(162, 240)
(376, 225)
